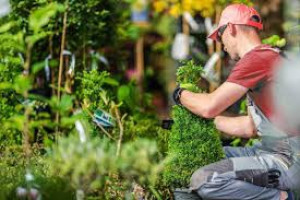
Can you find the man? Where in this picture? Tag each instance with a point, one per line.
(260, 165)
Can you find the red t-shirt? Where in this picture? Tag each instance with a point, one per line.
(255, 71)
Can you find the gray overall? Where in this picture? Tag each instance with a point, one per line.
(218, 180)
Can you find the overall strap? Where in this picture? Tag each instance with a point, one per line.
(262, 123)
(277, 50)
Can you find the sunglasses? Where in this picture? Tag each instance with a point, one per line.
(220, 33)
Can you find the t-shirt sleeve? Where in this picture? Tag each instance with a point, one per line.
(248, 73)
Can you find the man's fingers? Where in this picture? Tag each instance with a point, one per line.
(274, 174)
(273, 182)
(273, 185)
(274, 171)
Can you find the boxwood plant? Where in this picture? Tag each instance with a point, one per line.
(193, 141)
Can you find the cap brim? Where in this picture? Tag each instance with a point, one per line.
(214, 35)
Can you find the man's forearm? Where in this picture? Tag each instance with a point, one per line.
(198, 103)
(241, 126)
(212, 104)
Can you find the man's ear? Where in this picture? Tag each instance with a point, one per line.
(231, 29)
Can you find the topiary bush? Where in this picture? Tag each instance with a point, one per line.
(193, 141)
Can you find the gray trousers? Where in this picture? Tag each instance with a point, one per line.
(218, 180)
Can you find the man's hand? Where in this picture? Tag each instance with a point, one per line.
(262, 178)
(177, 94)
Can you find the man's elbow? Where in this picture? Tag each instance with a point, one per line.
(209, 113)
(250, 133)
(212, 109)
(237, 126)
(250, 130)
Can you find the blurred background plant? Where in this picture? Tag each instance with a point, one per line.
(60, 164)
(94, 167)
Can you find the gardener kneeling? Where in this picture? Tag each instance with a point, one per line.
(250, 172)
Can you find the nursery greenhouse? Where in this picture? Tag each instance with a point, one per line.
(150, 99)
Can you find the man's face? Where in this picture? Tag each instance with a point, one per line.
(229, 41)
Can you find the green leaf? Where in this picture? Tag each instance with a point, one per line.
(66, 103)
(31, 40)
(123, 93)
(104, 12)
(41, 16)
(6, 27)
(281, 42)
(111, 81)
(236, 142)
(22, 84)
(188, 86)
(6, 85)
(38, 67)
(133, 32)
(53, 63)
(274, 40)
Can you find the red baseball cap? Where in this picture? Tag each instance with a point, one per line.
(237, 14)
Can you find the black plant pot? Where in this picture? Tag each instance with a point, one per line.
(167, 124)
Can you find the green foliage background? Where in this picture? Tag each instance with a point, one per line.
(63, 165)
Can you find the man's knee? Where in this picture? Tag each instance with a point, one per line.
(208, 172)
(215, 189)
(223, 187)
(198, 178)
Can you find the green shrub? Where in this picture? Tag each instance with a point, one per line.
(275, 41)
(193, 141)
(13, 171)
(142, 125)
(96, 88)
(94, 167)
(86, 21)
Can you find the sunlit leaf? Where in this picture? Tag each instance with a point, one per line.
(66, 103)
(38, 67)
(31, 40)
(22, 84)
(111, 81)
(123, 92)
(41, 16)
(6, 27)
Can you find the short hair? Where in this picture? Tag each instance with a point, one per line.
(247, 28)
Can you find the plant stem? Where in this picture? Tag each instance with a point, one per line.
(52, 54)
(106, 133)
(26, 132)
(121, 130)
(61, 59)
